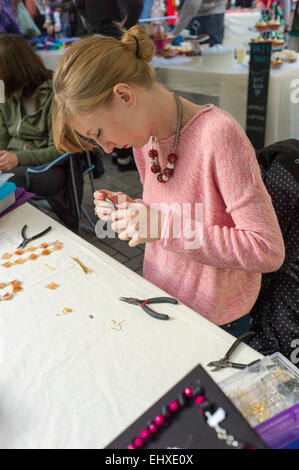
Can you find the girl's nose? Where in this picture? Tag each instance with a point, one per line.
(106, 146)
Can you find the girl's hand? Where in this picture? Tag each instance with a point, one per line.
(102, 208)
(8, 160)
(138, 223)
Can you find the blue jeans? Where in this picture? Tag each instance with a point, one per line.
(238, 327)
(213, 25)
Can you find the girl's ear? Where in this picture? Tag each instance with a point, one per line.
(125, 93)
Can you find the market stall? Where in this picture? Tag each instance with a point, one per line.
(240, 26)
(230, 86)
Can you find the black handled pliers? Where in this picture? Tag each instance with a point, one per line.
(28, 240)
(224, 362)
(155, 300)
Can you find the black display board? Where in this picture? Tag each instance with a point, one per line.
(187, 428)
(259, 69)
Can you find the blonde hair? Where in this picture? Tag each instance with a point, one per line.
(87, 73)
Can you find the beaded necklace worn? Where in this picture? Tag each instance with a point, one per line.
(164, 175)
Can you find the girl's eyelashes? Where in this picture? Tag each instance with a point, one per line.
(86, 139)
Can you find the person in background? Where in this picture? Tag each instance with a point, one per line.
(104, 17)
(25, 118)
(60, 18)
(8, 19)
(107, 18)
(203, 17)
(147, 9)
(134, 10)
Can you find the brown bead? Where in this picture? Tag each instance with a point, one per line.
(156, 168)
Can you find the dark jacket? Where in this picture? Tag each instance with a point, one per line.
(275, 315)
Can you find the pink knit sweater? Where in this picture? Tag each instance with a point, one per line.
(217, 167)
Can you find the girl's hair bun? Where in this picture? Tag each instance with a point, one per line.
(138, 41)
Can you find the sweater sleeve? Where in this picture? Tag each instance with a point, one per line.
(4, 135)
(36, 157)
(254, 241)
(189, 10)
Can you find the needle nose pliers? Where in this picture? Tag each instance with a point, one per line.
(27, 240)
(154, 300)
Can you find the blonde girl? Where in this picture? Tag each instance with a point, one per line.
(196, 166)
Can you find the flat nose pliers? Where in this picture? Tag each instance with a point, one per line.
(155, 300)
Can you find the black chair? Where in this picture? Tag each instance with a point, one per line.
(69, 206)
(275, 315)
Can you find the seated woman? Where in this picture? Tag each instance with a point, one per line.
(205, 216)
(25, 118)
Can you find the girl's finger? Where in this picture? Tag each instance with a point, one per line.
(103, 213)
(101, 204)
(124, 235)
(120, 214)
(101, 194)
(135, 241)
(119, 225)
(124, 205)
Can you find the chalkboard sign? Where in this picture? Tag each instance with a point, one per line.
(260, 57)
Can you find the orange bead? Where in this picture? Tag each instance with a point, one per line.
(7, 264)
(17, 288)
(7, 296)
(52, 286)
(19, 252)
(57, 247)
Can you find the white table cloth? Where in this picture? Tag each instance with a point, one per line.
(231, 87)
(72, 381)
(51, 58)
(239, 27)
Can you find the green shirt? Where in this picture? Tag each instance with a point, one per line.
(29, 137)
